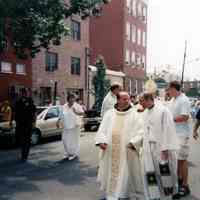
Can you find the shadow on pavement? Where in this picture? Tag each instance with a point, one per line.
(23, 177)
(190, 198)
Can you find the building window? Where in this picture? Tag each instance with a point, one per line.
(143, 61)
(144, 39)
(128, 5)
(133, 58)
(133, 33)
(20, 69)
(6, 67)
(134, 7)
(75, 65)
(138, 59)
(144, 14)
(128, 31)
(139, 10)
(127, 57)
(76, 30)
(138, 36)
(136, 86)
(51, 61)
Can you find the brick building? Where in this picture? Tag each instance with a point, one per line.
(63, 68)
(120, 35)
(14, 74)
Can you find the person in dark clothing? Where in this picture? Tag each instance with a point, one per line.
(196, 125)
(25, 112)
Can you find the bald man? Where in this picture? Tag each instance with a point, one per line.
(119, 138)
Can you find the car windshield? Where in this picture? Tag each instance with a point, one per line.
(39, 110)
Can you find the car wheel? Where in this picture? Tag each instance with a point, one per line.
(35, 137)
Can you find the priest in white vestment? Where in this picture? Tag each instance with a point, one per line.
(71, 127)
(119, 138)
(160, 136)
(111, 98)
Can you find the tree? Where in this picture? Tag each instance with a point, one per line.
(34, 24)
(101, 84)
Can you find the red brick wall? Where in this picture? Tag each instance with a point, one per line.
(108, 38)
(63, 76)
(13, 79)
(106, 35)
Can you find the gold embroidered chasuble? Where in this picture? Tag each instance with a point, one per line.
(117, 137)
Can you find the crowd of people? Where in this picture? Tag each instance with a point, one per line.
(144, 144)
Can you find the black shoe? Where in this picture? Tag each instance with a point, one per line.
(184, 191)
(23, 160)
(176, 196)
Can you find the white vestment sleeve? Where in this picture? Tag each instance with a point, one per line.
(101, 136)
(78, 108)
(137, 132)
(169, 140)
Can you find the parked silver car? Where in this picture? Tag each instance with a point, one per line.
(47, 124)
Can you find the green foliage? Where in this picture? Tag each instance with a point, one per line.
(33, 24)
(193, 92)
(101, 84)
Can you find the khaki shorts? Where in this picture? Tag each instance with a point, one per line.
(183, 152)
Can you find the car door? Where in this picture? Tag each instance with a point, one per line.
(50, 121)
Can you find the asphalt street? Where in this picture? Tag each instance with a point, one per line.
(46, 176)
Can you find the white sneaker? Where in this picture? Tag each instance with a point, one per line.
(72, 157)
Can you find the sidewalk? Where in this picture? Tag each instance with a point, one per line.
(194, 169)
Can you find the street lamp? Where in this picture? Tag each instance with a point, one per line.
(54, 83)
(87, 75)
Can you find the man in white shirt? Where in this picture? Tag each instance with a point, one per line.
(180, 107)
(111, 98)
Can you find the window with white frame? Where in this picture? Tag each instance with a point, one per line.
(130, 86)
(6, 67)
(20, 69)
(133, 33)
(134, 7)
(139, 10)
(144, 14)
(133, 58)
(128, 31)
(127, 57)
(144, 39)
(128, 5)
(143, 61)
(136, 86)
(138, 59)
(138, 36)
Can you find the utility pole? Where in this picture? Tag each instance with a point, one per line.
(55, 93)
(183, 68)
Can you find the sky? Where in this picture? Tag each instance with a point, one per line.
(170, 24)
